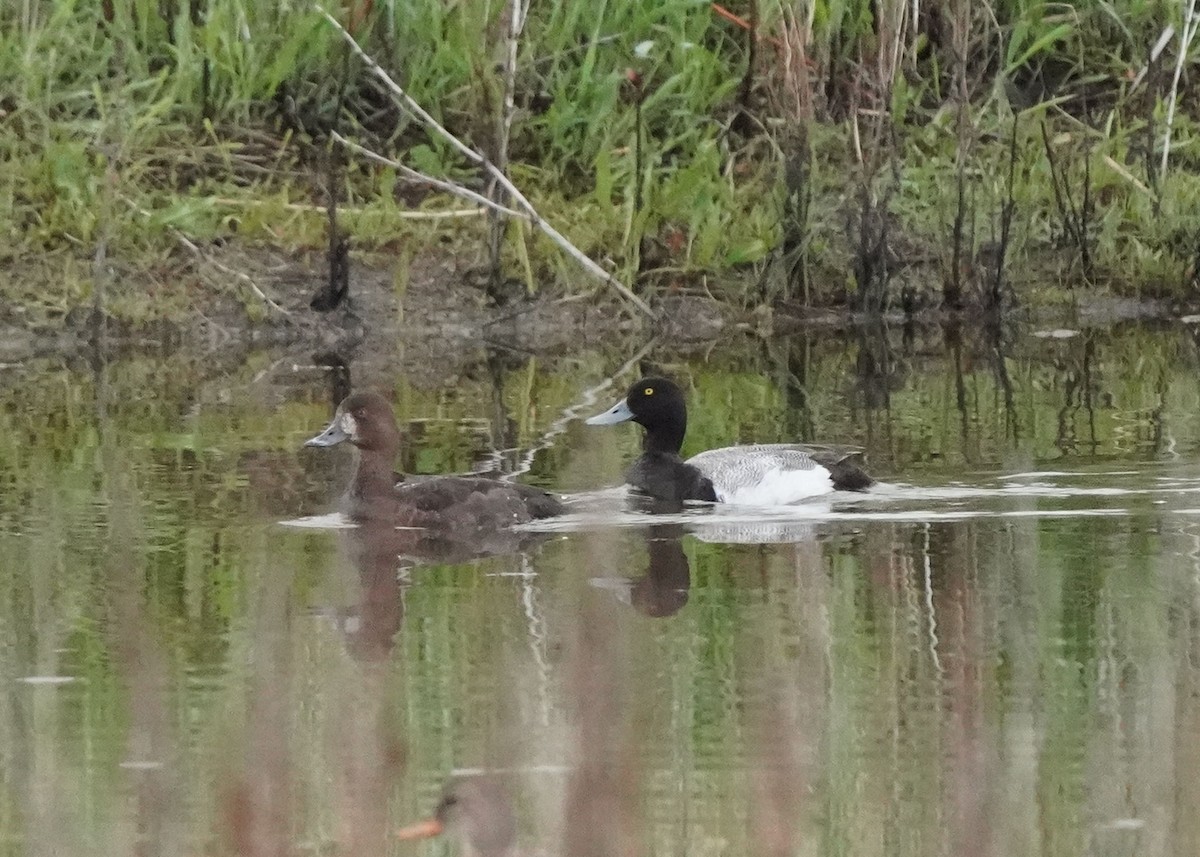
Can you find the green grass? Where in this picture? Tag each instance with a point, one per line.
(128, 132)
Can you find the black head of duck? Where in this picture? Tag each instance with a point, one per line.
(657, 405)
(448, 503)
(758, 474)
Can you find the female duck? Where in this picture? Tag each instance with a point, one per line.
(456, 504)
(767, 474)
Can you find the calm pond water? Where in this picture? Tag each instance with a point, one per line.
(995, 652)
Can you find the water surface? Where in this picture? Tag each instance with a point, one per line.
(994, 652)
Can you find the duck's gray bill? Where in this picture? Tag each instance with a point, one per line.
(332, 436)
(618, 413)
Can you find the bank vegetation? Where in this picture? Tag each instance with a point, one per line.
(883, 155)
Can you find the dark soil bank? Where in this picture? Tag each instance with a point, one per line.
(430, 316)
(264, 301)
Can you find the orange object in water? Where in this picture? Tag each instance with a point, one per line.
(426, 829)
(476, 809)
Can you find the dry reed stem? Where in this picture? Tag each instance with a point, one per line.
(1185, 41)
(190, 245)
(1124, 173)
(408, 103)
(1164, 39)
(516, 24)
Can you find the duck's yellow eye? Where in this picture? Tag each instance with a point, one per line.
(649, 391)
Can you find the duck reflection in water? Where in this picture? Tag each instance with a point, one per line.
(406, 521)
(663, 590)
(369, 626)
(477, 811)
(382, 554)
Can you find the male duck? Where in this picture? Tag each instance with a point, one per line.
(766, 474)
(455, 504)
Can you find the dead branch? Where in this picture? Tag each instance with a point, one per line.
(191, 246)
(413, 175)
(408, 103)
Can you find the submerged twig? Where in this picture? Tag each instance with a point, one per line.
(411, 105)
(569, 414)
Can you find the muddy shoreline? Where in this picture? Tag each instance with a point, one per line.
(439, 311)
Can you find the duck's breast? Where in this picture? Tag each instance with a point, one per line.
(665, 476)
(763, 474)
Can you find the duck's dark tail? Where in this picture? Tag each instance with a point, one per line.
(844, 470)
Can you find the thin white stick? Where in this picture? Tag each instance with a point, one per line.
(516, 25)
(1164, 39)
(446, 214)
(1124, 173)
(410, 173)
(191, 246)
(1185, 41)
(474, 157)
(245, 278)
(571, 413)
